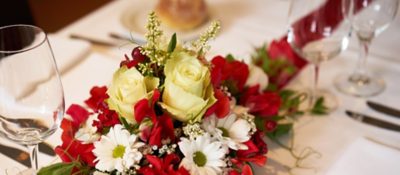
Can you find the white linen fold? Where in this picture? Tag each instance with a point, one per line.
(68, 52)
(367, 157)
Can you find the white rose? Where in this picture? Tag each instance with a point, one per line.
(128, 87)
(188, 90)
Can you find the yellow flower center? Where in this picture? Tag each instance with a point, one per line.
(118, 151)
(225, 132)
(199, 159)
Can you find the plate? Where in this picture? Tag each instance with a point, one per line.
(134, 19)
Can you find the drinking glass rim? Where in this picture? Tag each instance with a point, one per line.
(29, 48)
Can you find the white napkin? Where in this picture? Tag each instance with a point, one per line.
(68, 52)
(365, 157)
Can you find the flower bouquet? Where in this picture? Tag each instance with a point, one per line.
(170, 111)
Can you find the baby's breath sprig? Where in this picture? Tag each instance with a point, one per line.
(153, 31)
(156, 55)
(201, 45)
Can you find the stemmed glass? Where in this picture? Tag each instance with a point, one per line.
(368, 19)
(318, 33)
(31, 94)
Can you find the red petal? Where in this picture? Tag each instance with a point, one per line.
(98, 95)
(247, 170)
(79, 114)
(222, 107)
(141, 109)
(155, 161)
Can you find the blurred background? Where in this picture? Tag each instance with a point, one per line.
(51, 15)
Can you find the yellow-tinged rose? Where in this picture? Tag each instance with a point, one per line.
(188, 91)
(128, 87)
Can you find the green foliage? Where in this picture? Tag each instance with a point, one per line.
(230, 58)
(58, 169)
(319, 107)
(281, 130)
(172, 43)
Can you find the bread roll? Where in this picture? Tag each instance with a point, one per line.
(182, 14)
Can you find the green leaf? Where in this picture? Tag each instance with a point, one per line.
(286, 94)
(319, 107)
(125, 123)
(230, 58)
(281, 129)
(259, 121)
(57, 169)
(172, 43)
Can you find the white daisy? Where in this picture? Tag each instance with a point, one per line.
(87, 133)
(231, 130)
(202, 157)
(117, 150)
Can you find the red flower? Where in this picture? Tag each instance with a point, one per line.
(270, 125)
(245, 170)
(137, 57)
(281, 48)
(264, 104)
(72, 149)
(78, 114)
(96, 100)
(163, 129)
(106, 118)
(280, 74)
(222, 107)
(232, 74)
(145, 108)
(255, 153)
(163, 166)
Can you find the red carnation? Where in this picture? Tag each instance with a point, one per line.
(245, 170)
(232, 74)
(163, 166)
(97, 97)
(72, 149)
(264, 104)
(255, 153)
(163, 129)
(145, 108)
(222, 107)
(281, 48)
(106, 118)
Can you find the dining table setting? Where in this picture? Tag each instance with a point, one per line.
(337, 62)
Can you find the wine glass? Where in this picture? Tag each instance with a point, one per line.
(318, 33)
(31, 94)
(368, 19)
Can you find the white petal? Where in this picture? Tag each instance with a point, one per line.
(239, 131)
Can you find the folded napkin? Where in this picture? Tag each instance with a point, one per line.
(366, 157)
(68, 52)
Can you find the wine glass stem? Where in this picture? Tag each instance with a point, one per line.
(314, 87)
(360, 76)
(33, 153)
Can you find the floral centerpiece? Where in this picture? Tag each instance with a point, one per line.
(170, 111)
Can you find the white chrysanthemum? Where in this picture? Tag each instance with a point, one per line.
(87, 133)
(231, 130)
(117, 150)
(202, 157)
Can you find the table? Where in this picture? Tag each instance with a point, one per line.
(246, 24)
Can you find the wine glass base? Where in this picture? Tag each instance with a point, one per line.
(360, 85)
(330, 101)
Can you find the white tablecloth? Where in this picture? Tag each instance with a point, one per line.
(246, 24)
